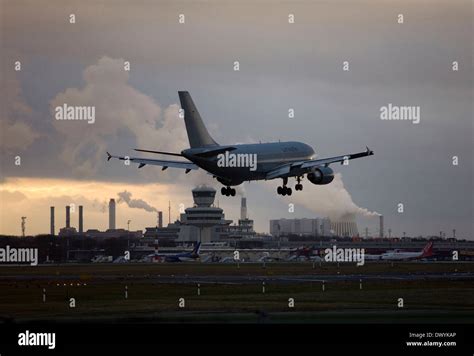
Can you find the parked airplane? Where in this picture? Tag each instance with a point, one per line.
(303, 253)
(403, 255)
(179, 257)
(231, 165)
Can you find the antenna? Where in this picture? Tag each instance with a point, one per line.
(23, 225)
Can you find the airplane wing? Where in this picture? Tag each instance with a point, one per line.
(188, 166)
(302, 167)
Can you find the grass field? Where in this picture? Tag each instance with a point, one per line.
(99, 293)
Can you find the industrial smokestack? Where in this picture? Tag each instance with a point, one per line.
(52, 221)
(381, 225)
(112, 214)
(243, 208)
(160, 219)
(81, 220)
(68, 216)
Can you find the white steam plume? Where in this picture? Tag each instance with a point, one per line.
(126, 197)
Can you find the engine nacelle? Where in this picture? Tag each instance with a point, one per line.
(321, 176)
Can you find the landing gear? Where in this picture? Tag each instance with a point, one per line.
(228, 191)
(298, 186)
(284, 190)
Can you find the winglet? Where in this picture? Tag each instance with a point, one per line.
(369, 151)
(109, 156)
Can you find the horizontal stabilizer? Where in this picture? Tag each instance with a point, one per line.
(160, 152)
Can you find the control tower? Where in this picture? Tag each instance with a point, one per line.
(204, 215)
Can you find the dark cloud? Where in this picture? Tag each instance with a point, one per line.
(282, 66)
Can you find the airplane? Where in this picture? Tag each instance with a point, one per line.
(372, 257)
(231, 165)
(302, 253)
(402, 255)
(180, 257)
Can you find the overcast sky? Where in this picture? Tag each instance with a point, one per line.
(282, 66)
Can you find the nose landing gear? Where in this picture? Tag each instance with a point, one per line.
(298, 186)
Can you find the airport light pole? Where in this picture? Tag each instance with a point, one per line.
(128, 233)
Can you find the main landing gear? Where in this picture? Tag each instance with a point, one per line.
(284, 190)
(228, 191)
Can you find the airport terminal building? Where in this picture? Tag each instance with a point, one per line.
(301, 227)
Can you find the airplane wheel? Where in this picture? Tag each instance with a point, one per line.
(283, 191)
(288, 191)
(232, 192)
(279, 191)
(223, 191)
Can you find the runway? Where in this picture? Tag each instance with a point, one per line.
(244, 279)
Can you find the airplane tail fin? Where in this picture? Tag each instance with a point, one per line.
(197, 133)
(195, 252)
(197, 248)
(428, 250)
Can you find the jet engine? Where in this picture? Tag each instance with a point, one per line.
(321, 175)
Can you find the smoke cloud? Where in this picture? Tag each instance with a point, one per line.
(332, 200)
(126, 197)
(120, 109)
(15, 131)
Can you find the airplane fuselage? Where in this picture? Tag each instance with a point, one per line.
(250, 161)
(401, 255)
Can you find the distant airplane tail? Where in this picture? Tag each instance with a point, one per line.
(197, 133)
(196, 249)
(427, 250)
